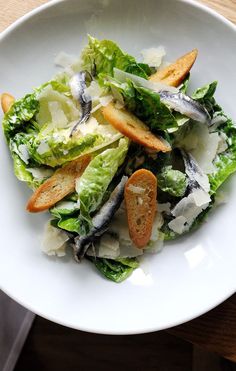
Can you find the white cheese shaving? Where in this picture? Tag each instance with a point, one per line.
(165, 207)
(202, 145)
(135, 189)
(122, 77)
(97, 107)
(217, 120)
(89, 127)
(40, 173)
(105, 100)
(179, 225)
(43, 147)
(64, 59)
(109, 247)
(94, 91)
(23, 153)
(92, 126)
(222, 146)
(153, 56)
(54, 241)
(67, 205)
(201, 197)
(66, 104)
(59, 119)
(187, 210)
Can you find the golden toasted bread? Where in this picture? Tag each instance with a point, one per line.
(141, 205)
(133, 128)
(59, 185)
(175, 73)
(6, 101)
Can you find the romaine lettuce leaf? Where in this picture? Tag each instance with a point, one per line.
(70, 224)
(205, 96)
(225, 162)
(19, 115)
(92, 185)
(205, 92)
(21, 172)
(184, 86)
(64, 208)
(116, 271)
(56, 147)
(172, 181)
(56, 108)
(145, 104)
(102, 56)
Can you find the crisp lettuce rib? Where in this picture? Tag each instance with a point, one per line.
(92, 185)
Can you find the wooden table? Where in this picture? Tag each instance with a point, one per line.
(216, 330)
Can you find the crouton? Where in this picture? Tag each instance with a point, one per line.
(133, 128)
(176, 72)
(59, 185)
(140, 199)
(6, 101)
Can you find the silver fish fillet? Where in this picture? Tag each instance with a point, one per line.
(187, 106)
(195, 174)
(78, 87)
(100, 221)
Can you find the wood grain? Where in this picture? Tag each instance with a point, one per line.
(225, 7)
(52, 347)
(11, 10)
(215, 331)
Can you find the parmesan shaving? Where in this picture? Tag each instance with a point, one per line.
(153, 56)
(64, 59)
(54, 241)
(135, 189)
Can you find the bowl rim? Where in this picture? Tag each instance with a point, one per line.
(141, 330)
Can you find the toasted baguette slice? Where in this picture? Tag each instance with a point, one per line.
(141, 205)
(133, 128)
(176, 72)
(6, 101)
(61, 183)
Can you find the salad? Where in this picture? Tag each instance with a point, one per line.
(120, 153)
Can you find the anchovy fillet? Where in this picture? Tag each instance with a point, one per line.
(100, 221)
(78, 86)
(197, 179)
(187, 106)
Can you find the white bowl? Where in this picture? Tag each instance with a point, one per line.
(192, 274)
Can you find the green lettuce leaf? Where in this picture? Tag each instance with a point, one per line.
(61, 87)
(184, 86)
(102, 56)
(19, 115)
(92, 185)
(145, 104)
(59, 148)
(172, 181)
(22, 173)
(205, 96)
(206, 92)
(70, 224)
(116, 271)
(225, 162)
(64, 208)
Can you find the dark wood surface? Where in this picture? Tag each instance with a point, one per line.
(215, 331)
(52, 347)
